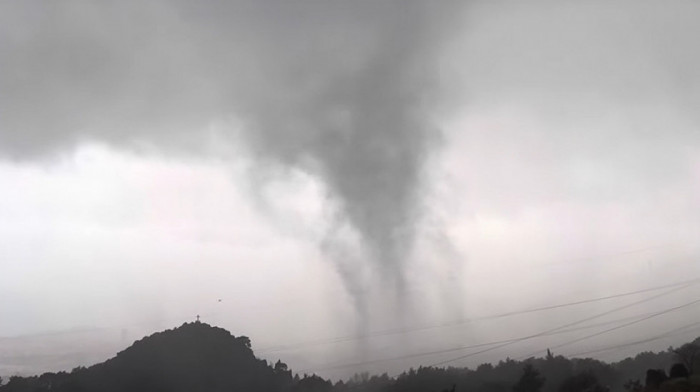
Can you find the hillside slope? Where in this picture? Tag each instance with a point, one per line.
(193, 357)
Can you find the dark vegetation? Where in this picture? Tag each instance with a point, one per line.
(198, 357)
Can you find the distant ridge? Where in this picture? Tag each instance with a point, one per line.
(193, 357)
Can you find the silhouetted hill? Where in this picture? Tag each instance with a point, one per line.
(193, 357)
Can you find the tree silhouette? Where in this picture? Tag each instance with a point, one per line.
(654, 378)
(530, 381)
(313, 383)
(582, 382)
(678, 370)
(688, 354)
(633, 386)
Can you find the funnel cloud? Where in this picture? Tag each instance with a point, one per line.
(342, 90)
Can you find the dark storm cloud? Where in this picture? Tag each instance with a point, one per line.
(342, 89)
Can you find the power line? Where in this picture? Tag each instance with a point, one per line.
(396, 331)
(507, 342)
(562, 326)
(573, 329)
(673, 332)
(691, 303)
(477, 345)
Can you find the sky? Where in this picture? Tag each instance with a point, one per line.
(357, 186)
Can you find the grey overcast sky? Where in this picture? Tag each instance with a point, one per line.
(347, 181)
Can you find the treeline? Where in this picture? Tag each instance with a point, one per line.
(198, 357)
(549, 374)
